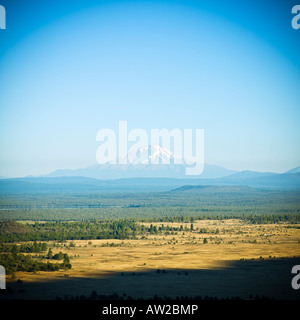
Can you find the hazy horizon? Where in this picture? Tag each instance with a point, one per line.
(187, 177)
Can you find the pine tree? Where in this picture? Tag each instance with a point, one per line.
(49, 254)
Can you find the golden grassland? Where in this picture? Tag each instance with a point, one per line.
(174, 264)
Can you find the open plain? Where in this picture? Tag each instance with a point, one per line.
(221, 259)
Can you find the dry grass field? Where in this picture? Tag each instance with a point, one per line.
(231, 259)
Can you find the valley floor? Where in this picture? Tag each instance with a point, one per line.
(217, 258)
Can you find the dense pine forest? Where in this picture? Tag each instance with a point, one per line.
(206, 202)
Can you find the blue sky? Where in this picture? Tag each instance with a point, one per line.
(71, 68)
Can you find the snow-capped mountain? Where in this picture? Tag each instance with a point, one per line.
(149, 161)
(153, 154)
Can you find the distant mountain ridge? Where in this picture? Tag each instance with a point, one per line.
(119, 171)
(148, 161)
(212, 188)
(246, 174)
(295, 170)
(140, 174)
(167, 165)
(79, 184)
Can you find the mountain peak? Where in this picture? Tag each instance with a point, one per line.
(295, 170)
(144, 161)
(152, 154)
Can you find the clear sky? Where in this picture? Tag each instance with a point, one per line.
(71, 68)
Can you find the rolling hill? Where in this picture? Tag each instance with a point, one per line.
(286, 181)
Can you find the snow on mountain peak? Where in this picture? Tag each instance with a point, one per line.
(152, 154)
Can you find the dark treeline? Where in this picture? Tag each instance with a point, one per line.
(250, 218)
(20, 262)
(95, 296)
(123, 297)
(80, 230)
(117, 229)
(34, 247)
(13, 259)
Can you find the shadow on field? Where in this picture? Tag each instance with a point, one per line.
(251, 279)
